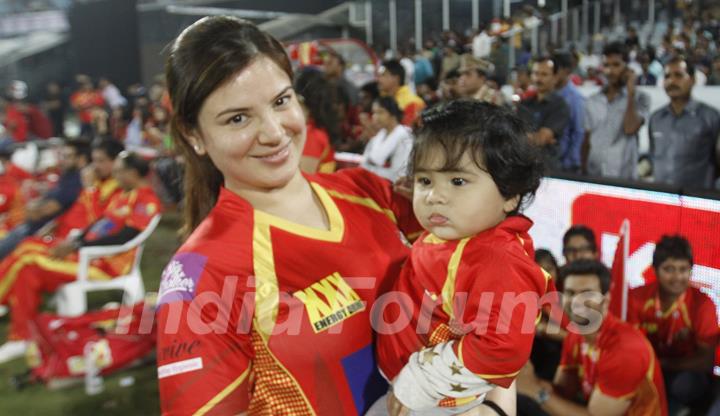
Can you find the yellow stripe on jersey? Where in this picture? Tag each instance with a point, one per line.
(448, 291)
(29, 246)
(366, 202)
(107, 188)
(337, 223)
(327, 167)
(68, 267)
(433, 239)
(224, 393)
(48, 263)
(267, 295)
(266, 285)
(685, 315)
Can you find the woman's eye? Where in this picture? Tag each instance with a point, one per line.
(458, 181)
(423, 181)
(236, 119)
(282, 100)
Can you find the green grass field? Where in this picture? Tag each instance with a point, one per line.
(141, 398)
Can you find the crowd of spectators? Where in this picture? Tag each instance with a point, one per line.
(665, 347)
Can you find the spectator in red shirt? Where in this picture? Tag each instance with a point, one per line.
(679, 320)
(605, 361)
(83, 101)
(15, 123)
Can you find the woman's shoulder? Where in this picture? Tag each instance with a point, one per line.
(212, 254)
(225, 236)
(354, 181)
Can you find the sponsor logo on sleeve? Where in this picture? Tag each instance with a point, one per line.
(180, 278)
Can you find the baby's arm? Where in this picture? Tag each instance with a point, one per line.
(496, 345)
(433, 374)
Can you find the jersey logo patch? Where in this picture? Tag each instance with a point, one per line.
(329, 302)
(180, 277)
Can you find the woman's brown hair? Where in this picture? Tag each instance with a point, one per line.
(203, 57)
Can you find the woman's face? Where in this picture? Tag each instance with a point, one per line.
(253, 128)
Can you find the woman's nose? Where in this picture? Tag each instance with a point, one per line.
(272, 130)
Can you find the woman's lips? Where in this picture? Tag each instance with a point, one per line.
(278, 157)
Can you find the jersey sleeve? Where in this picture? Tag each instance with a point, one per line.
(380, 191)
(619, 377)
(145, 208)
(501, 329)
(705, 322)
(204, 346)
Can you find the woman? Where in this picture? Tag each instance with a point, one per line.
(386, 154)
(319, 102)
(265, 309)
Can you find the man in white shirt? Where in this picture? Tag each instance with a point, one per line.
(111, 94)
(482, 43)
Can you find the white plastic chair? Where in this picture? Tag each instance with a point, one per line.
(71, 298)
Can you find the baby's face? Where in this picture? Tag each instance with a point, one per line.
(459, 203)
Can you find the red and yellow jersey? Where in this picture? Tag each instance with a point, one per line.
(676, 332)
(318, 146)
(457, 290)
(12, 204)
(621, 363)
(132, 209)
(90, 205)
(410, 104)
(84, 101)
(289, 321)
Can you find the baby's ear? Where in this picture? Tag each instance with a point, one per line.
(511, 204)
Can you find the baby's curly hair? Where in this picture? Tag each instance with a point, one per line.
(497, 139)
